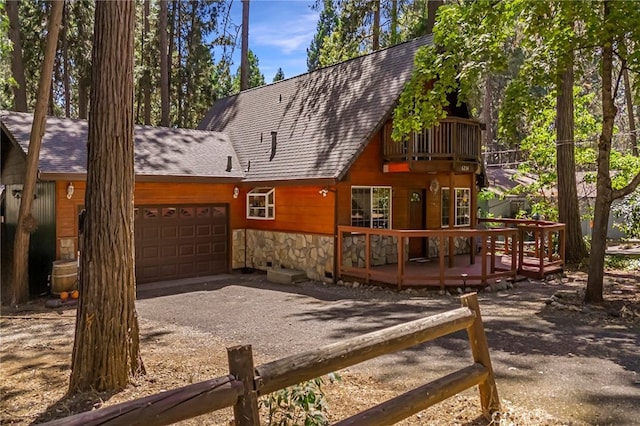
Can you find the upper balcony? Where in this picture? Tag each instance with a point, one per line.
(454, 144)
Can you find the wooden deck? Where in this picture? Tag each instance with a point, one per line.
(502, 254)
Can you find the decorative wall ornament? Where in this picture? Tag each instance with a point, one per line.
(434, 186)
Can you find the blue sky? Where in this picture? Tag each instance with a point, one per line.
(279, 33)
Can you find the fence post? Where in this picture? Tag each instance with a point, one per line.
(241, 367)
(480, 350)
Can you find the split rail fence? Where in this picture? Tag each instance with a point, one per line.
(245, 383)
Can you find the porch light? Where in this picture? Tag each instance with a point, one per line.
(434, 185)
(236, 192)
(70, 190)
(324, 191)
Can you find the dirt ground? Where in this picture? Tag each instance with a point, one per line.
(36, 352)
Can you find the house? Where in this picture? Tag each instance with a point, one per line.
(507, 204)
(270, 176)
(319, 145)
(501, 182)
(183, 197)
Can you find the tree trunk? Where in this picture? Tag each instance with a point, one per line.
(432, 7)
(164, 65)
(628, 94)
(602, 207)
(65, 61)
(106, 352)
(487, 113)
(244, 54)
(18, 288)
(568, 208)
(394, 23)
(146, 51)
(376, 26)
(83, 97)
(17, 64)
(82, 55)
(180, 71)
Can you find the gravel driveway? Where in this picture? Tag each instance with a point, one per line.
(575, 368)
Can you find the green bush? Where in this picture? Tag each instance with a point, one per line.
(301, 404)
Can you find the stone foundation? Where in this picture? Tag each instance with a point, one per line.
(383, 250)
(461, 246)
(310, 253)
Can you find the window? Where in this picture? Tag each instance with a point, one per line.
(462, 206)
(261, 203)
(445, 206)
(371, 207)
(463, 209)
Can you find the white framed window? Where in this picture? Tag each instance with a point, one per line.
(371, 206)
(261, 204)
(462, 206)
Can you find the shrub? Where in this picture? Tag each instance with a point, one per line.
(301, 404)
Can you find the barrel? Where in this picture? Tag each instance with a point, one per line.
(64, 276)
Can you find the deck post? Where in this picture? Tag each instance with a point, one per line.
(400, 260)
(367, 255)
(514, 252)
(543, 235)
(480, 351)
(241, 367)
(484, 259)
(521, 233)
(441, 250)
(563, 244)
(492, 268)
(340, 256)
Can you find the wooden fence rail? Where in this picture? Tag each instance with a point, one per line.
(163, 408)
(242, 387)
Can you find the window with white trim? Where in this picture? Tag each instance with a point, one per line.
(462, 206)
(261, 204)
(371, 206)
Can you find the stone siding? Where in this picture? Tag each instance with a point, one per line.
(461, 246)
(383, 251)
(310, 253)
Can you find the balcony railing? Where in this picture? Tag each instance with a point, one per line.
(453, 139)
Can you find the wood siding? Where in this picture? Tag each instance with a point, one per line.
(367, 171)
(299, 209)
(148, 193)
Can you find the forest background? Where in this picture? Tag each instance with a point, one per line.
(533, 75)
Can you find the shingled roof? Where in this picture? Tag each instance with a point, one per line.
(159, 151)
(323, 119)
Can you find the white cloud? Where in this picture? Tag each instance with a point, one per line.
(286, 32)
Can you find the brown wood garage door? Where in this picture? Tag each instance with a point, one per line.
(180, 241)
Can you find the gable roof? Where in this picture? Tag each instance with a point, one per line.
(323, 119)
(159, 151)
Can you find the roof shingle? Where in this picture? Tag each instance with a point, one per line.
(323, 119)
(159, 151)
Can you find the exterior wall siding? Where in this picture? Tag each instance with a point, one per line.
(383, 251)
(146, 193)
(42, 243)
(364, 173)
(311, 253)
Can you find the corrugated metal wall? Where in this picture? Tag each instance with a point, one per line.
(42, 246)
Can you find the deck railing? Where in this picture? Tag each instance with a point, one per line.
(504, 248)
(455, 139)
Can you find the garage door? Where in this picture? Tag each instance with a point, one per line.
(180, 241)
